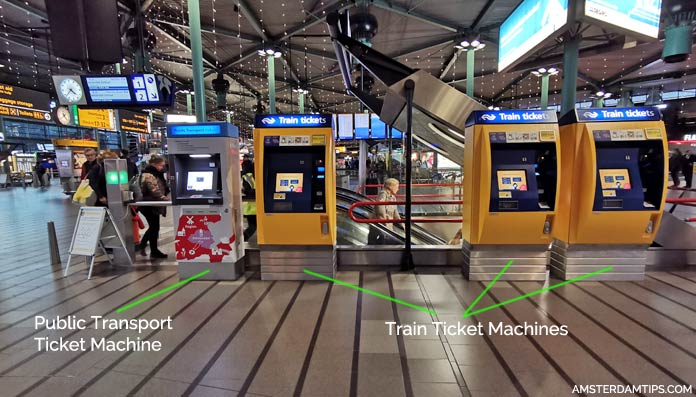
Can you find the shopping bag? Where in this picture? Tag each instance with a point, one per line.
(84, 195)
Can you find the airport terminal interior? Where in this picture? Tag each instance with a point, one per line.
(347, 198)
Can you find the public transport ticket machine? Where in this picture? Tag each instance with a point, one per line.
(511, 177)
(206, 197)
(295, 172)
(614, 165)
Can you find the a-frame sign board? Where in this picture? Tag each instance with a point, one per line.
(89, 235)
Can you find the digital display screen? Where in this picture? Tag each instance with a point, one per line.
(379, 129)
(530, 24)
(617, 179)
(512, 180)
(396, 134)
(199, 181)
(362, 126)
(194, 130)
(639, 16)
(345, 126)
(108, 89)
(289, 182)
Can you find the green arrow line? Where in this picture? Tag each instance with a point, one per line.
(495, 280)
(162, 291)
(367, 291)
(467, 313)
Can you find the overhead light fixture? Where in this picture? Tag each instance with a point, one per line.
(270, 51)
(2, 66)
(464, 44)
(542, 70)
(475, 43)
(199, 156)
(553, 71)
(662, 106)
(600, 93)
(124, 61)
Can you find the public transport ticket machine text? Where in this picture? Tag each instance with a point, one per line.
(614, 165)
(206, 196)
(295, 174)
(511, 176)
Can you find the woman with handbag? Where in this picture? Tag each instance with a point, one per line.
(154, 188)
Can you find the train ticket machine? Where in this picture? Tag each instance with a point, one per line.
(206, 197)
(511, 177)
(295, 195)
(614, 165)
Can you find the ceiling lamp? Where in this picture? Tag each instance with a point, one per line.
(474, 44)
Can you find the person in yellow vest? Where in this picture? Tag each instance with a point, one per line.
(249, 199)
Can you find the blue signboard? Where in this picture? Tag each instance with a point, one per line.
(293, 121)
(202, 130)
(378, 128)
(362, 125)
(512, 117)
(532, 22)
(618, 114)
(396, 134)
(145, 88)
(639, 16)
(109, 91)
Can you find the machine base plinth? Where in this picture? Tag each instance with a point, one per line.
(288, 262)
(572, 260)
(218, 271)
(484, 262)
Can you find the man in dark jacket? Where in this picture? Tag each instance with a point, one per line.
(91, 156)
(249, 199)
(674, 166)
(97, 178)
(132, 168)
(688, 167)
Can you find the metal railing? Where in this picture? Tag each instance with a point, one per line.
(413, 220)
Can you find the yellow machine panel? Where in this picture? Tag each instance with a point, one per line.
(510, 183)
(295, 186)
(615, 181)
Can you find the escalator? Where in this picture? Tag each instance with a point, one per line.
(352, 233)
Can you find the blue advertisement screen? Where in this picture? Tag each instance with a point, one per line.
(396, 134)
(379, 129)
(640, 16)
(530, 24)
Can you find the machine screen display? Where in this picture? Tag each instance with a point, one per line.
(199, 181)
(512, 180)
(615, 179)
(289, 182)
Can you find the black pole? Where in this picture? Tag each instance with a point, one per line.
(407, 260)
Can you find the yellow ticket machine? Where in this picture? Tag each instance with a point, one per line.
(295, 176)
(511, 174)
(614, 165)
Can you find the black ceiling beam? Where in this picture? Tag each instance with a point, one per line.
(450, 62)
(184, 42)
(216, 30)
(23, 6)
(481, 14)
(405, 11)
(621, 75)
(538, 94)
(589, 80)
(252, 19)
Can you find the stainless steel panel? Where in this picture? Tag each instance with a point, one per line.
(674, 233)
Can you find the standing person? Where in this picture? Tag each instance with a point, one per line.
(91, 156)
(249, 200)
(154, 188)
(132, 168)
(389, 211)
(688, 168)
(674, 166)
(40, 171)
(97, 177)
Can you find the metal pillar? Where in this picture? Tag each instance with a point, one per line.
(545, 91)
(570, 73)
(626, 101)
(301, 100)
(117, 67)
(407, 260)
(189, 105)
(271, 84)
(197, 58)
(470, 73)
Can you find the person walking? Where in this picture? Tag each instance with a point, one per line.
(132, 168)
(249, 199)
(154, 188)
(40, 172)
(674, 166)
(388, 211)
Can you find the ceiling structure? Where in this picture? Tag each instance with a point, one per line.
(420, 33)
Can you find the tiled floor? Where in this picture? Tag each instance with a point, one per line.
(261, 338)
